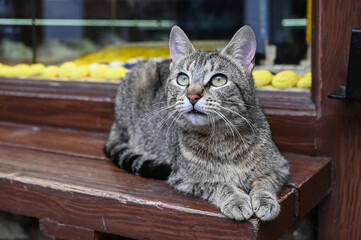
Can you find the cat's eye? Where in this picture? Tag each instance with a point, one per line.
(183, 79)
(218, 80)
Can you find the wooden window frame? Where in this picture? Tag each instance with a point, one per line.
(89, 106)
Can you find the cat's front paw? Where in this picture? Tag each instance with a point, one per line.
(265, 205)
(237, 206)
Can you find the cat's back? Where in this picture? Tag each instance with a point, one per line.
(142, 87)
(141, 108)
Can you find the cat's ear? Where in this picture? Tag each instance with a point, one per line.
(179, 44)
(242, 47)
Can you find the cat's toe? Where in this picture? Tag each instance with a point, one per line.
(237, 207)
(265, 206)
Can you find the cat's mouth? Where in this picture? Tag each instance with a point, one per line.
(193, 111)
(196, 117)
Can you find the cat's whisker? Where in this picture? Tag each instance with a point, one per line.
(160, 102)
(164, 120)
(150, 115)
(174, 121)
(211, 119)
(213, 126)
(245, 119)
(224, 119)
(239, 104)
(231, 125)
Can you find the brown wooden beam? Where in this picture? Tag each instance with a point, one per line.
(339, 122)
(65, 231)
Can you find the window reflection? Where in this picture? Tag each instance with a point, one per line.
(117, 33)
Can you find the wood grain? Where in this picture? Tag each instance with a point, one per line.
(63, 231)
(339, 121)
(84, 114)
(49, 139)
(309, 176)
(293, 133)
(97, 195)
(287, 100)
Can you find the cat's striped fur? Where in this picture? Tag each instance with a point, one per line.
(208, 141)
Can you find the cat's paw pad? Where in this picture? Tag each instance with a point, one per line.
(265, 205)
(237, 207)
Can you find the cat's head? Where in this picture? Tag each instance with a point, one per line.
(207, 87)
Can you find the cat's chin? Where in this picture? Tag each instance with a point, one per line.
(197, 118)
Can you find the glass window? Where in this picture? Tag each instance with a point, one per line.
(71, 39)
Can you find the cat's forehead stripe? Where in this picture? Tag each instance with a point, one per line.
(191, 66)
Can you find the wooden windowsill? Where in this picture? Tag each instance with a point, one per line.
(276, 100)
(89, 106)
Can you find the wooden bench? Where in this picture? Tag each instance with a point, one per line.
(61, 177)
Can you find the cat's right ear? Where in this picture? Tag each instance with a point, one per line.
(179, 44)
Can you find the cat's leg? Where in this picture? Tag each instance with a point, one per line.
(264, 198)
(121, 154)
(233, 202)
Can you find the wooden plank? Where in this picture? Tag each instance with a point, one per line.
(287, 100)
(306, 172)
(64, 231)
(293, 133)
(86, 114)
(61, 141)
(312, 178)
(102, 197)
(57, 89)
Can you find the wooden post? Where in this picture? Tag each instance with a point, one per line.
(339, 122)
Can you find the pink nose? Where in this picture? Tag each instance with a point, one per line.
(193, 98)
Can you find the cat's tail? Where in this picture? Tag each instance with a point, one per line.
(123, 156)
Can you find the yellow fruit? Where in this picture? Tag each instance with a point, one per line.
(262, 77)
(79, 72)
(36, 69)
(19, 70)
(116, 73)
(5, 71)
(65, 69)
(285, 79)
(305, 82)
(50, 72)
(98, 72)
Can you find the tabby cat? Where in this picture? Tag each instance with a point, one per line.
(197, 122)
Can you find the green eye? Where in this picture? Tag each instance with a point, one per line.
(182, 79)
(218, 80)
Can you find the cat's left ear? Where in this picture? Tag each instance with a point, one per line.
(179, 44)
(242, 47)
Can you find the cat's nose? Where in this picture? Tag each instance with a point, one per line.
(193, 98)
